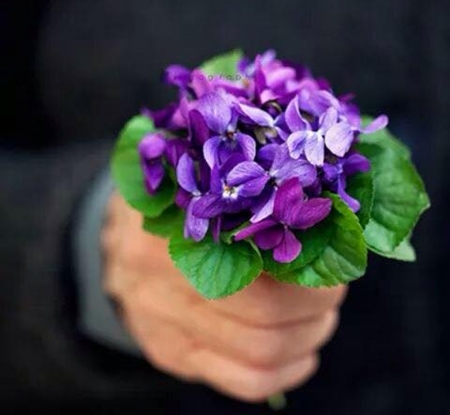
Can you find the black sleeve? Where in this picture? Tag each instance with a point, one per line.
(42, 354)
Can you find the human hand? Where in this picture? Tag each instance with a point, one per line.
(259, 342)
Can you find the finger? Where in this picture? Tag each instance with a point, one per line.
(268, 302)
(250, 383)
(264, 347)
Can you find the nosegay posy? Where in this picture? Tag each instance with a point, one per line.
(258, 165)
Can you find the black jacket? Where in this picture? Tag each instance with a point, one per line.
(73, 71)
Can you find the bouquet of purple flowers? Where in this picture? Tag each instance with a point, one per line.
(259, 166)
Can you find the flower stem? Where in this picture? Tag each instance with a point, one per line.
(277, 402)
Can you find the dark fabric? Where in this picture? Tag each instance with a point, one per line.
(87, 66)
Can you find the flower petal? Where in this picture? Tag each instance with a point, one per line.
(304, 171)
(174, 150)
(200, 83)
(195, 227)
(216, 111)
(186, 174)
(339, 138)
(199, 129)
(288, 249)
(177, 75)
(293, 118)
(289, 196)
(269, 238)
(377, 124)
(153, 176)
(356, 163)
(320, 101)
(254, 228)
(266, 155)
(152, 146)
(247, 145)
(314, 149)
(243, 172)
(296, 143)
(328, 119)
(352, 203)
(208, 206)
(182, 198)
(311, 212)
(331, 172)
(253, 187)
(256, 115)
(265, 209)
(211, 150)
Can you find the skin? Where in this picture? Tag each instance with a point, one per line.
(261, 341)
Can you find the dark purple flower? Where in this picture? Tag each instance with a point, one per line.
(194, 226)
(151, 149)
(291, 211)
(234, 185)
(218, 112)
(337, 171)
(281, 167)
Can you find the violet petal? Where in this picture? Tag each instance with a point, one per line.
(288, 249)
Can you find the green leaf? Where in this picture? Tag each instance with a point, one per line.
(404, 252)
(399, 198)
(215, 269)
(223, 65)
(384, 138)
(343, 259)
(360, 187)
(166, 224)
(314, 241)
(128, 175)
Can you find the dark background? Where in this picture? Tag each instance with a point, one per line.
(72, 72)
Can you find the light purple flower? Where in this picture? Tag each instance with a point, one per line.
(151, 150)
(341, 135)
(311, 142)
(336, 173)
(291, 211)
(218, 112)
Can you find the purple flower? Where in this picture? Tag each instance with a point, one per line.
(281, 167)
(308, 141)
(221, 118)
(291, 211)
(341, 135)
(151, 150)
(337, 171)
(194, 227)
(234, 186)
